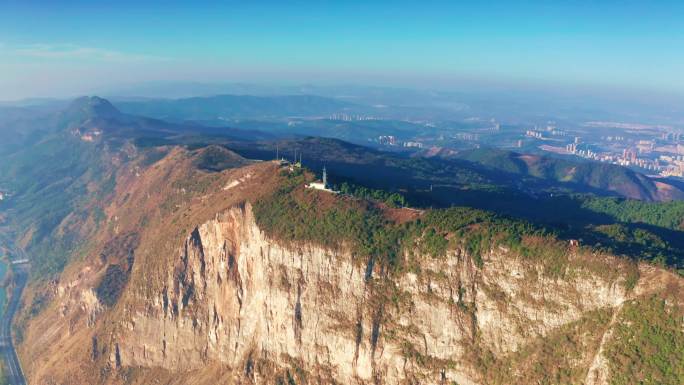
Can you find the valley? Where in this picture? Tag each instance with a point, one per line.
(12, 371)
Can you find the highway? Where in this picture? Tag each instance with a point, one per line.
(15, 375)
(19, 266)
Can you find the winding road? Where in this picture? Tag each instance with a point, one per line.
(13, 372)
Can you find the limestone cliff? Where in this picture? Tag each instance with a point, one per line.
(222, 302)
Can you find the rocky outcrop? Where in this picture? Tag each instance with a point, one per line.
(236, 297)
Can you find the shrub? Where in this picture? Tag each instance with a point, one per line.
(648, 344)
(111, 285)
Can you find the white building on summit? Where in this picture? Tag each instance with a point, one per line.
(323, 185)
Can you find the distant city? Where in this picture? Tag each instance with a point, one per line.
(653, 149)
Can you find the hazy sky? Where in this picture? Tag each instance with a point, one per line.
(72, 47)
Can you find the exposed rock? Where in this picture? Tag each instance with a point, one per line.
(242, 297)
(221, 302)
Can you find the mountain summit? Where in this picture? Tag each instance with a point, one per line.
(89, 107)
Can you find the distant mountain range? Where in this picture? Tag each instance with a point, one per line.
(513, 103)
(94, 119)
(223, 107)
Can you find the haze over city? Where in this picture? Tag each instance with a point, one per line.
(76, 47)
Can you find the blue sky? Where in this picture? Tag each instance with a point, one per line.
(73, 47)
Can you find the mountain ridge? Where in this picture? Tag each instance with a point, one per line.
(619, 179)
(206, 291)
(235, 106)
(392, 170)
(86, 107)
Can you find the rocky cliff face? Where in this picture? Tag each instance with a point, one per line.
(231, 305)
(236, 297)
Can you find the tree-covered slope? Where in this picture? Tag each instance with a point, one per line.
(602, 176)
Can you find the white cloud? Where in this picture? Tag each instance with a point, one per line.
(73, 51)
